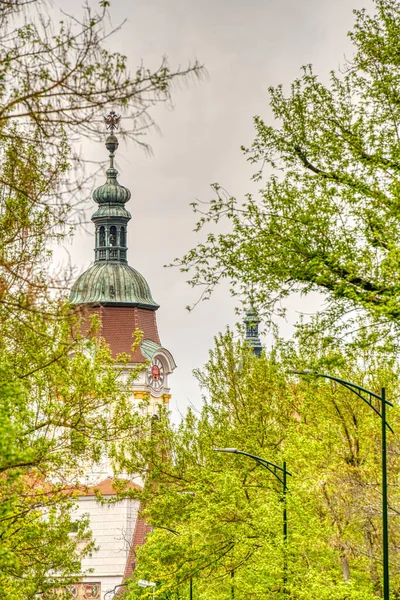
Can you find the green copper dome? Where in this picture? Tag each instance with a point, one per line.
(112, 283)
(111, 192)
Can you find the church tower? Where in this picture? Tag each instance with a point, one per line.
(119, 294)
(121, 297)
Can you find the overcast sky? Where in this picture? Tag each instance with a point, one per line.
(246, 46)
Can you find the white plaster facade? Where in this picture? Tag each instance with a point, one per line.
(112, 531)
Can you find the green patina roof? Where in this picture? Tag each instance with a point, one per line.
(112, 283)
(149, 348)
(111, 192)
(114, 210)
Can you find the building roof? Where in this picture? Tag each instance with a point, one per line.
(112, 283)
(117, 327)
(111, 193)
(138, 539)
(107, 487)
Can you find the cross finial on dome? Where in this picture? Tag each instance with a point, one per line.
(112, 120)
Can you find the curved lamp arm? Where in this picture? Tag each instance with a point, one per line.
(166, 529)
(270, 466)
(353, 387)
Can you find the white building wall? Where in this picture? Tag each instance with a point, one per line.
(112, 531)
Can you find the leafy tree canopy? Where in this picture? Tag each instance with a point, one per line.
(327, 215)
(62, 406)
(226, 511)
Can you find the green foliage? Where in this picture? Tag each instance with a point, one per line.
(63, 406)
(327, 215)
(60, 411)
(227, 510)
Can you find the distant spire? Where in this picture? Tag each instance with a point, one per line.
(252, 336)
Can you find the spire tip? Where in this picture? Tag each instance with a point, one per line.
(112, 120)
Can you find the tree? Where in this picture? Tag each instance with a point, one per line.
(56, 83)
(62, 406)
(228, 511)
(326, 218)
(65, 77)
(56, 422)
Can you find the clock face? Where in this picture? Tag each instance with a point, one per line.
(155, 374)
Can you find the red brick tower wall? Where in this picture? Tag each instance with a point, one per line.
(118, 324)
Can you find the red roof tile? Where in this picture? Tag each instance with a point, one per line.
(106, 487)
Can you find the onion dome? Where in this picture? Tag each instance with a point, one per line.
(111, 192)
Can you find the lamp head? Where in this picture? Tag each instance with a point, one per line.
(233, 450)
(144, 584)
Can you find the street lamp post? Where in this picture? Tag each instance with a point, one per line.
(281, 474)
(367, 396)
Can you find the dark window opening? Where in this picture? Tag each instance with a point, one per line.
(113, 236)
(102, 237)
(122, 237)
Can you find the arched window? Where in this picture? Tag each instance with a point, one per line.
(252, 331)
(102, 236)
(122, 241)
(113, 236)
